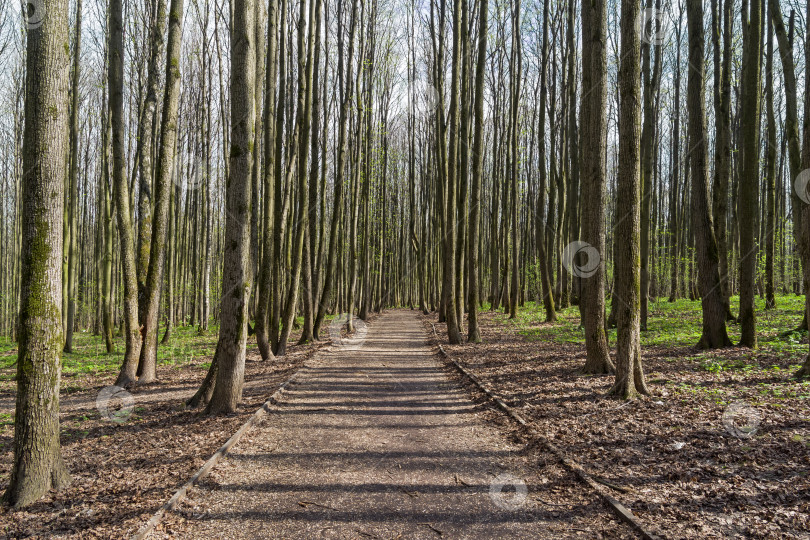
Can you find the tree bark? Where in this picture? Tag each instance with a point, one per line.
(748, 203)
(128, 373)
(593, 119)
(38, 465)
(714, 313)
(236, 287)
(627, 249)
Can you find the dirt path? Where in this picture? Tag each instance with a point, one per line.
(378, 441)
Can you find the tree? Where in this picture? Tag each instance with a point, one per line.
(163, 187)
(38, 465)
(629, 372)
(543, 253)
(592, 122)
(722, 147)
(451, 164)
(230, 351)
(128, 373)
(69, 285)
(266, 266)
(714, 313)
(770, 176)
(749, 174)
(473, 333)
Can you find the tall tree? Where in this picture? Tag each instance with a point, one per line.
(73, 182)
(594, 135)
(714, 333)
(543, 253)
(804, 371)
(770, 176)
(451, 163)
(269, 186)
(38, 465)
(473, 332)
(129, 274)
(629, 372)
(163, 186)
(749, 174)
(236, 274)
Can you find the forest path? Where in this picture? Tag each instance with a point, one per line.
(376, 440)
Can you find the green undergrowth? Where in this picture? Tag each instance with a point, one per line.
(90, 356)
(678, 325)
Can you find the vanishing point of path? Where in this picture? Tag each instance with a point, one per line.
(378, 440)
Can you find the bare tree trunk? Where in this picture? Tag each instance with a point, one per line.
(770, 176)
(627, 296)
(38, 465)
(473, 333)
(230, 352)
(327, 296)
(129, 275)
(147, 370)
(271, 183)
(592, 114)
(73, 178)
(306, 62)
(748, 205)
(714, 312)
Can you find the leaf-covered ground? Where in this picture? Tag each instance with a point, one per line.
(123, 472)
(720, 449)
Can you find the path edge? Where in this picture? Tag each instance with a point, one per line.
(180, 494)
(621, 511)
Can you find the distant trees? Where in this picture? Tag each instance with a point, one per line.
(457, 155)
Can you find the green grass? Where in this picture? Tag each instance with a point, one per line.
(90, 356)
(679, 324)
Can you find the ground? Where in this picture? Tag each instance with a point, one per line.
(376, 440)
(402, 446)
(721, 448)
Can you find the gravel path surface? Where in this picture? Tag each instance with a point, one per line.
(376, 440)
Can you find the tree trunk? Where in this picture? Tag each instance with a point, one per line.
(129, 276)
(38, 465)
(627, 249)
(230, 352)
(270, 185)
(714, 312)
(147, 370)
(73, 177)
(473, 333)
(748, 205)
(770, 177)
(593, 119)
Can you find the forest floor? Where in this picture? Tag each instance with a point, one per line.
(720, 449)
(380, 440)
(124, 470)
